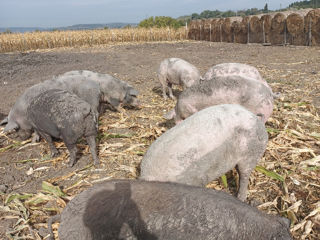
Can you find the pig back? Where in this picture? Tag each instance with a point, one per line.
(205, 146)
(133, 209)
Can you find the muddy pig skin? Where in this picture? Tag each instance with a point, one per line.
(132, 209)
(61, 114)
(177, 71)
(85, 89)
(207, 145)
(251, 94)
(115, 91)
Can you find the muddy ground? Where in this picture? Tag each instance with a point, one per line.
(124, 137)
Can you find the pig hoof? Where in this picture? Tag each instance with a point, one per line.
(71, 163)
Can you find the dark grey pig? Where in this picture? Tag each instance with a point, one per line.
(83, 88)
(247, 92)
(61, 114)
(207, 145)
(179, 72)
(115, 91)
(131, 209)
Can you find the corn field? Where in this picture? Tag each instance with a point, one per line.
(44, 40)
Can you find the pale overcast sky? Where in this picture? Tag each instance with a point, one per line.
(58, 13)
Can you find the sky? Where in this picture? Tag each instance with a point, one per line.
(59, 13)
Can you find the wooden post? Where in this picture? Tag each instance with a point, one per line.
(220, 33)
(210, 34)
(263, 32)
(285, 32)
(310, 33)
(248, 36)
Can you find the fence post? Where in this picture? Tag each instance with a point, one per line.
(248, 36)
(200, 32)
(285, 32)
(186, 34)
(210, 34)
(310, 33)
(220, 32)
(263, 32)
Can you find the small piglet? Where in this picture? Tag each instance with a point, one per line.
(207, 145)
(179, 72)
(61, 114)
(246, 92)
(131, 209)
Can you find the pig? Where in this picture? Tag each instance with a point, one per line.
(207, 145)
(61, 114)
(133, 209)
(236, 69)
(177, 71)
(247, 92)
(233, 69)
(115, 91)
(85, 89)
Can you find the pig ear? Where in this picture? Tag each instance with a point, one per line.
(11, 126)
(133, 92)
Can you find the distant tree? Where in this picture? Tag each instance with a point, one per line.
(105, 27)
(161, 21)
(127, 26)
(195, 16)
(265, 9)
(8, 31)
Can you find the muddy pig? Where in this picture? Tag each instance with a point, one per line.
(179, 72)
(61, 114)
(132, 209)
(247, 92)
(85, 89)
(207, 145)
(115, 91)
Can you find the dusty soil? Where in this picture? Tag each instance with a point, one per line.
(124, 137)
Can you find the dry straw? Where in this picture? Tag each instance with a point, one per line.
(44, 40)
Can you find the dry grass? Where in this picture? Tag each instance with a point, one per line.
(56, 39)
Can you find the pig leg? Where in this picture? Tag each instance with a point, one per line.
(72, 148)
(91, 140)
(53, 149)
(35, 137)
(170, 91)
(163, 82)
(244, 171)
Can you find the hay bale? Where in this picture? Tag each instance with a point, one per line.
(278, 32)
(198, 29)
(312, 26)
(240, 30)
(226, 30)
(207, 28)
(215, 34)
(256, 33)
(192, 30)
(296, 29)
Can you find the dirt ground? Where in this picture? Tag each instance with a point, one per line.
(294, 129)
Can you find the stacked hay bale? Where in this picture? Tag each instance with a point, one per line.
(192, 33)
(207, 30)
(240, 30)
(296, 29)
(215, 37)
(312, 26)
(198, 29)
(266, 27)
(279, 33)
(255, 33)
(226, 30)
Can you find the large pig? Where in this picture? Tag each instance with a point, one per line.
(236, 69)
(85, 89)
(131, 209)
(233, 69)
(115, 91)
(247, 92)
(207, 145)
(61, 114)
(179, 72)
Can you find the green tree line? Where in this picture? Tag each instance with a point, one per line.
(305, 4)
(161, 21)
